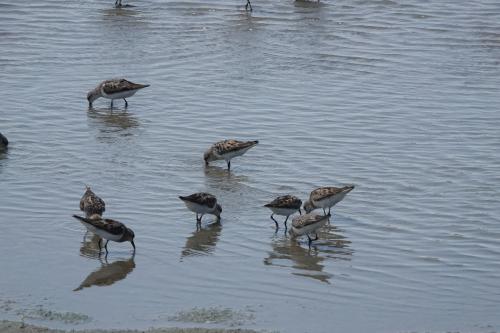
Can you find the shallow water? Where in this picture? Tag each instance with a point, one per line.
(399, 98)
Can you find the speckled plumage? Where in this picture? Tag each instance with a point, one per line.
(91, 204)
(227, 150)
(120, 85)
(201, 198)
(285, 201)
(302, 221)
(324, 192)
(326, 197)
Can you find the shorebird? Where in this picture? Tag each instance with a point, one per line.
(308, 224)
(226, 150)
(3, 141)
(326, 197)
(91, 204)
(114, 89)
(202, 203)
(108, 229)
(285, 205)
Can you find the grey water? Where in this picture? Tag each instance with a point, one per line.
(399, 98)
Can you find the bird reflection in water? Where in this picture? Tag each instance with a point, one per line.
(114, 121)
(108, 273)
(309, 262)
(223, 179)
(90, 246)
(202, 241)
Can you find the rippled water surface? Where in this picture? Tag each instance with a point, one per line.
(399, 98)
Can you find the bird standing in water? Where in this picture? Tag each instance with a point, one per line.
(114, 89)
(108, 229)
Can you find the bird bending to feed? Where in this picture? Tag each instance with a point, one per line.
(226, 150)
(91, 204)
(326, 197)
(308, 224)
(3, 141)
(114, 89)
(202, 203)
(107, 229)
(285, 205)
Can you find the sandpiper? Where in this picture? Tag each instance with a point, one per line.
(308, 224)
(326, 197)
(114, 89)
(91, 204)
(285, 205)
(3, 141)
(202, 203)
(107, 229)
(226, 150)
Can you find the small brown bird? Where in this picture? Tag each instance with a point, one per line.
(308, 224)
(91, 204)
(226, 150)
(108, 229)
(285, 205)
(326, 197)
(202, 203)
(114, 89)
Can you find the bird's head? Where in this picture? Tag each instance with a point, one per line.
(309, 206)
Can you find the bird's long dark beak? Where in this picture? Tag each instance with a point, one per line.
(133, 245)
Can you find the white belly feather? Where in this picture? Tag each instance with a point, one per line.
(122, 94)
(283, 211)
(197, 208)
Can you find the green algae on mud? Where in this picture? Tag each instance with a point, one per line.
(20, 327)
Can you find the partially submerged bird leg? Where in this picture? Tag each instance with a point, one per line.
(248, 5)
(277, 225)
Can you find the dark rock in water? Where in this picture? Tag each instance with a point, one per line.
(3, 141)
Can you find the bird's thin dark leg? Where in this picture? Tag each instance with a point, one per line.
(300, 212)
(111, 103)
(329, 208)
(324, 211)
(277, 225)
(126, 103)
(99, 244)
(106, 246)
(316, 238)
(285, 222)
(248, 5)
(229, 165)
(197, 218)
(310, 240)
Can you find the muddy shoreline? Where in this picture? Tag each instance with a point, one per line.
(20, 327)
